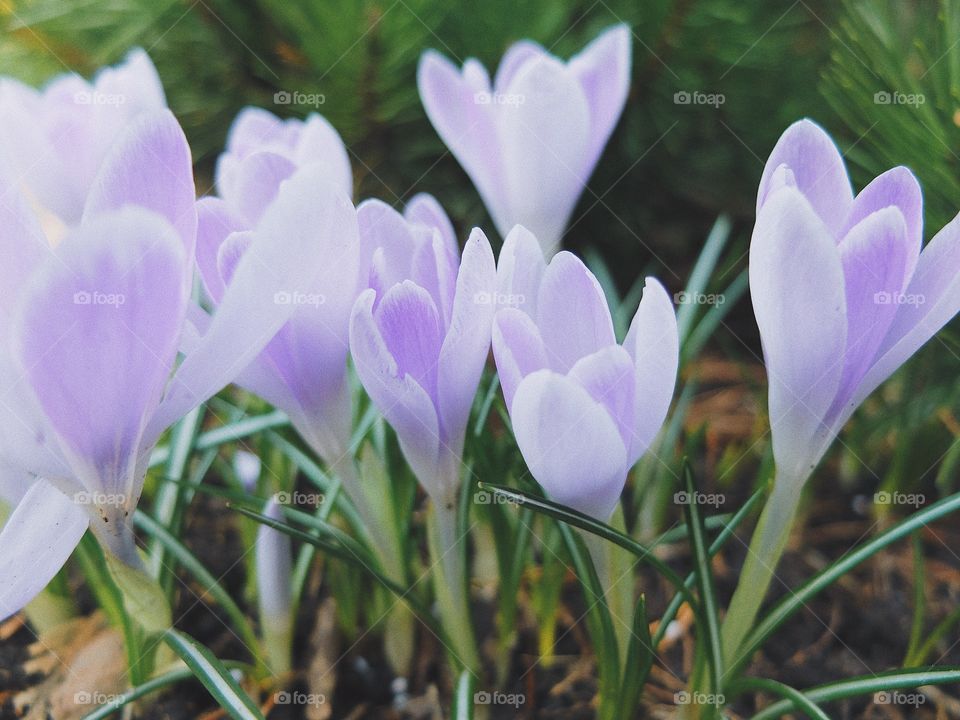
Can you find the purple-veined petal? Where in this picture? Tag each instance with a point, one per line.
(423, 209)
(388, 240)
(403, 402)
(517, 348)
(150, 166)
(797, 289)
(873, 254)
(931, 300)
(307, 238)
(135, 80)
(35, 542)
(654, 346)
(520, 270)
(570, 443)
(22, 247)
(516, 56)
(899, 188)
(609, 376)
(603, 69)
(467, 342)
(409, 325)
(818, 171)
(231, 252)
(572, 312)
(252, 129)
(98, 335)
(465, 124)
(215, 221)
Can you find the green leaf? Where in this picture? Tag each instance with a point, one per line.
(640, 654)
(143, 599)
(799, 598)
(214, 675)
(803, 703)
(865, 685)
(227, 433)
(702, 271)
(704, 574)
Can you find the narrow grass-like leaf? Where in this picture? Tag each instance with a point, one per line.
(919, 598)
(226, 434)
(463, 697)
(797, 599)
(214, 675)
(640, 654)
(701, 274)
(865, 685)
(800, 701)
(711, 319)
(704, 574)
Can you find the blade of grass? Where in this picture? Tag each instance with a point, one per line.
(214, 676)
(640, 653)
(227, 433)
(800, 701)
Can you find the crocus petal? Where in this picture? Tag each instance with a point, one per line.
(98, 337)
(899, 188)
(252, 129)
(307, 237)
(231, 252)
(934, 293)
(256, 183)
(465, 125)
(135, 79)
(403, 402)
(545, 148)
(572, 312)
(654, 346)
(36, 541)
(517, 55)
(274, 567)
(320, 143)
(603, 69)
(388, 240)
(423, 209)
(410, 328)
(467, 343)
(520, 269)
(22, 247)
(609, 376)
(517, 348)
(150, 166)
(215, 221)
(797, 289)
(873, 254)
(817, 169)
(570, 443)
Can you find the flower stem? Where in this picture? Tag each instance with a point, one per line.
(766, 547)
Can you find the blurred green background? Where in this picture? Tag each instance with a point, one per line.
(667, 173)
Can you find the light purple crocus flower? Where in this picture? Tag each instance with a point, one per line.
(55, 139)
(89, 335)
(302, 370)
(842, 294)
(420, 334)
(584, 408)
(530, 140)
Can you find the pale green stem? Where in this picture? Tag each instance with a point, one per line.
(614, 566)
(766, 547)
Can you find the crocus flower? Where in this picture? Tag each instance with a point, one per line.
(55, 139)
(420, 334)
(530, 140)
(584, 408)
(90, 335)
(302, 370)
(274, 563)
(842, 294)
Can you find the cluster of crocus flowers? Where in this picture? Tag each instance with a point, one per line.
(530, 139)
(843, 297)
(584, 408)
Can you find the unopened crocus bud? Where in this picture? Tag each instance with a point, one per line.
(274, 563)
